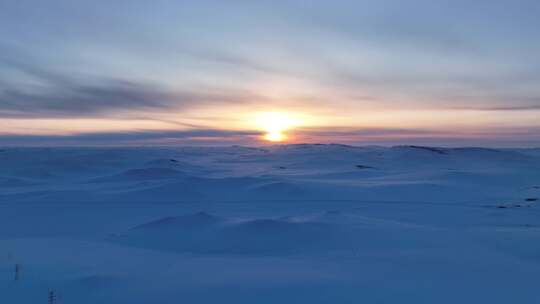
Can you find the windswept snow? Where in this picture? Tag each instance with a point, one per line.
(280, 224)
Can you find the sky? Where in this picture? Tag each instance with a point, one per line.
(385, 72)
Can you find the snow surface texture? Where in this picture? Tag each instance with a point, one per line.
(285, 224)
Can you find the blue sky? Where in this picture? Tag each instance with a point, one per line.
(362, 72)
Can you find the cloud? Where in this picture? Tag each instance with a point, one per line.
(98, 99)
(16, 60)
(79, 100)
(492, 137)
(360, 132)
(515, 137)
(147, 137)
(30, 90)
(502, 108)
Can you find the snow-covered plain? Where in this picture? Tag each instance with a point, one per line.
(283, 224)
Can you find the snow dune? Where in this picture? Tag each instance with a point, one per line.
(279, 224)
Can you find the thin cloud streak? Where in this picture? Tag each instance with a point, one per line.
(148, 137)
(84, 100)
(494, 137)
(215, 137)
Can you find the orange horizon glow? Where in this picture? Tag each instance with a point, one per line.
(290, 124)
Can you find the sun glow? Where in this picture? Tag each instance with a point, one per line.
(275, 124)
(275, 136)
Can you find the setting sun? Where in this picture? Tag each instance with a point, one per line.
(275, 124)
(274, 136)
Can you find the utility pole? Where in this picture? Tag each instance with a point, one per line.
(51, 297)
(17, 271)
